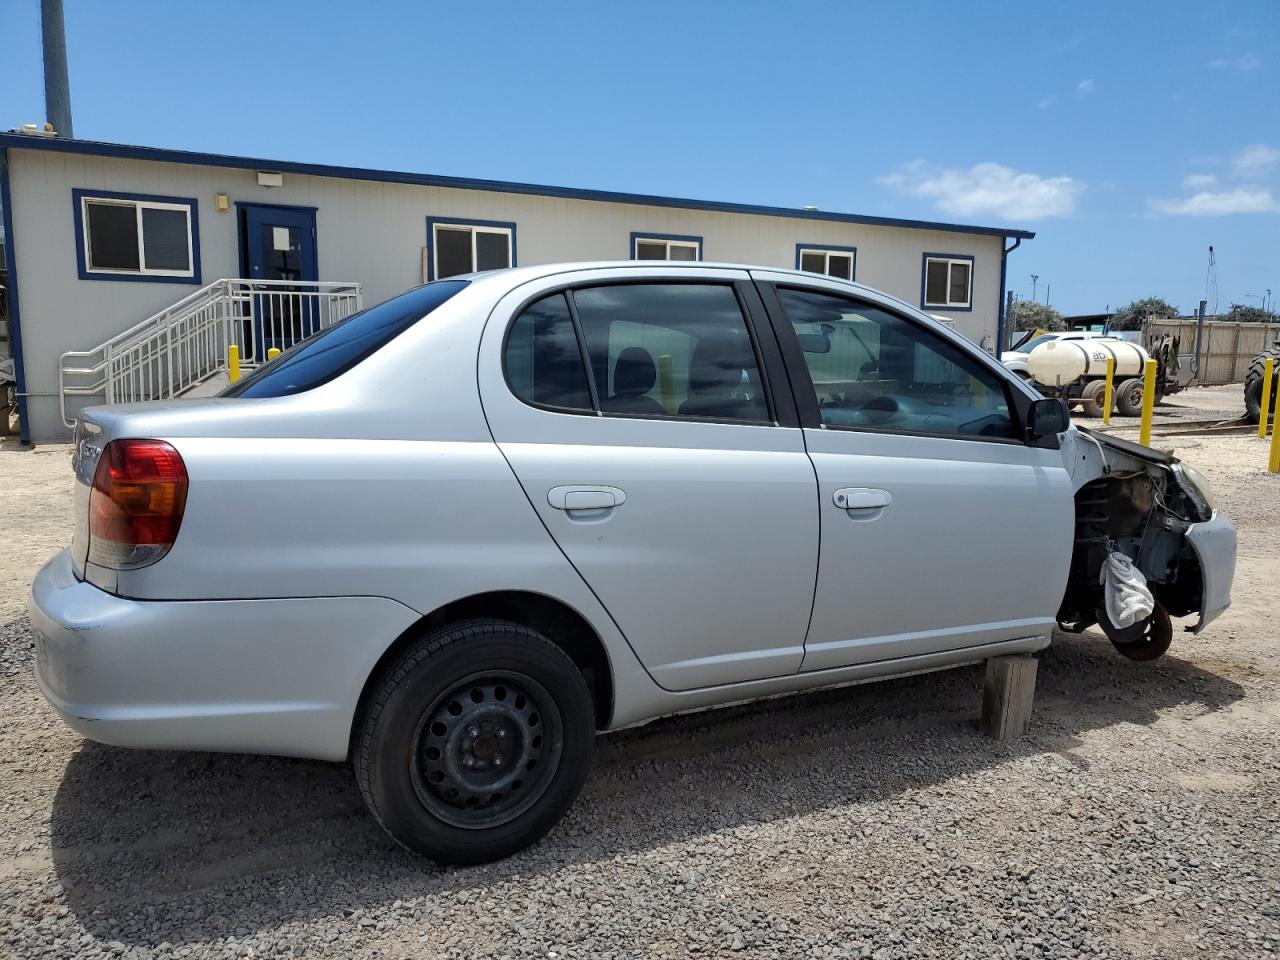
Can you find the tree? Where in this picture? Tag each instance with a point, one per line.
(1241, 313)
(1028, 315)
(1132, 315)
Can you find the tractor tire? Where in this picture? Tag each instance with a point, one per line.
(1091, 398)
(1253, 383)
(1129, 397)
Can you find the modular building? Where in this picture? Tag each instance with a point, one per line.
(124, 263)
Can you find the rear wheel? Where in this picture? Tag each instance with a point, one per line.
(1253, 383)
(475, 741)
(1091, 398)
(1129, 397)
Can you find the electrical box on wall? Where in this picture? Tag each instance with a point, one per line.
(270, 179)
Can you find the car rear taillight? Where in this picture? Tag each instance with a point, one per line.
(135, 508)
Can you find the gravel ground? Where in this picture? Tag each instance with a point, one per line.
(1139, 818)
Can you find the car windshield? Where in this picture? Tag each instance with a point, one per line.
(1032, 344)
(339, 348)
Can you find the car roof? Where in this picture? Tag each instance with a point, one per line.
(514, 275)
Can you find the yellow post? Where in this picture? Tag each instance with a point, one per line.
(233, 363)
(1107, 391)
(979, 394)
(1268, 369)
(272, 353)
(1148, 400)
(1273, 463)
(667, 383)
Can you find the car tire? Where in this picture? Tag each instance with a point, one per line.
(1129, 397)
(474, 741)
(1091, 398)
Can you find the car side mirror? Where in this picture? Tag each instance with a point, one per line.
(1046, 417)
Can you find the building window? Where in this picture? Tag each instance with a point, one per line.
(467, 246)
(827, 260)
(122, 236)
(947, 282)
(659, 246)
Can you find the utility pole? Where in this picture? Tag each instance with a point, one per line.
(57, 88)
(1047, 288)
(1035, 277)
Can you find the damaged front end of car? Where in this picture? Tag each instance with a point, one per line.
(1158, 512)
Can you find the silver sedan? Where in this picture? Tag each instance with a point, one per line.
(455, 535)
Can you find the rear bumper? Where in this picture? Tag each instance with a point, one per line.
(251, 676)
(1214, 543)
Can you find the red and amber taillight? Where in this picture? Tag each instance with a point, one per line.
(135, 508)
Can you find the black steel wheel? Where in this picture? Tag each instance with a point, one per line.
(474, 741)
(486, 750)
(1144, 641)
(1091, 398)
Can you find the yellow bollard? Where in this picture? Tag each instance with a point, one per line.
(1273, 464)
(1148, 401)
(979, 394)
(272, 353)
(1108, 390)
(233, 363)
(1268, 369)
(667, 383)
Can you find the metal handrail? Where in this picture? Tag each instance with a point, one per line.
(186, 343)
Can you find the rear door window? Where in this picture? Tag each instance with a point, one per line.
(339, 348)
(676, 350)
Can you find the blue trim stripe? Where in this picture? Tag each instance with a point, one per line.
(463, 222)
(828, 248)
(79, 193)
(466, 183)
(924, 276)
(15, 318)
(637, 235)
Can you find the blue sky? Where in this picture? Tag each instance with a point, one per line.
(1130, 136)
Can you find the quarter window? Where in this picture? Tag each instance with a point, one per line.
(468, 246)
(544, 364)
(948, 282)
(665, 248)
(124, 236)
(828, 261)
(875, 370)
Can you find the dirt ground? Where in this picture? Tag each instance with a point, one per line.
(1140, 817)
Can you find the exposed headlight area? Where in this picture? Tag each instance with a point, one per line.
(1195, 485)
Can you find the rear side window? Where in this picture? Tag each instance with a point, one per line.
(336, 350)
(675, 350)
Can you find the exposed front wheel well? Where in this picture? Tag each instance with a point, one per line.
(556, 621)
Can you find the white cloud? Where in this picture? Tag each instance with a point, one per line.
(989, 188)
(1046, 103)
(1246, 63)
(1198, 181)
(1086, 87)
(1255, 158)
(1219, 204)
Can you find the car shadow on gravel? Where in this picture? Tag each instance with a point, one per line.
(155, 847)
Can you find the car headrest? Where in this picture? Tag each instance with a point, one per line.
(634, 373)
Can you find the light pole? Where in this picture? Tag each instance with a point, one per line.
(1035, 277)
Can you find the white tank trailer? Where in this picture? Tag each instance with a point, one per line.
(1076, 371)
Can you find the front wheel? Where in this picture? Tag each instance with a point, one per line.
(475, 741)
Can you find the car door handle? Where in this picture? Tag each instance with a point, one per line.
(575, 497)
(862, 498)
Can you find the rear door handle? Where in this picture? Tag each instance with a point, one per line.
(585, 497)
(862, 498)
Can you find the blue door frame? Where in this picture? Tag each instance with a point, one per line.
(279, 243)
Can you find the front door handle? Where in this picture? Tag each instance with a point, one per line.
(585, 497)
(862, 498)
